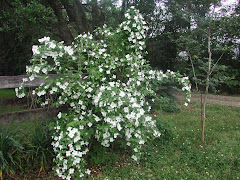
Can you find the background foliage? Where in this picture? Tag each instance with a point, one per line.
(175, 27)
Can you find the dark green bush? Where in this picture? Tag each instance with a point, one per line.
(100, 155)
(165, 101)
(167, 130)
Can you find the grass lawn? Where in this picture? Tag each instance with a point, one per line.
(7, 93)
(7, 97)
(184, 157)
(178, 154)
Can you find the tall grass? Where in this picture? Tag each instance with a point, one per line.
(10, 151)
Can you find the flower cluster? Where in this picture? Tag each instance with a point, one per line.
(109, 102)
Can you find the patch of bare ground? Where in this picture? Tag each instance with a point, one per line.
(214, 99)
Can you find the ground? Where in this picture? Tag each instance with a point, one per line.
(214, 99)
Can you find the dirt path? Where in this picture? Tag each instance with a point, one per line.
(214, 99)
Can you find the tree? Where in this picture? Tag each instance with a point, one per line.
(204, 46)
(28, 21)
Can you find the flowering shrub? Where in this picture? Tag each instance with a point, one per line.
(107, 104)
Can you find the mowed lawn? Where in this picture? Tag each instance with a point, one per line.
(178, 154)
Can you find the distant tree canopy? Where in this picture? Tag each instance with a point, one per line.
(174, 26)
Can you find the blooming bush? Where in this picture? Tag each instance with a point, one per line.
(109, 102)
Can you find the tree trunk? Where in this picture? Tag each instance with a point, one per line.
(124, 6)
(76, 16)
(208, 75)
(61, 26)
(207, 85)
(97, 18)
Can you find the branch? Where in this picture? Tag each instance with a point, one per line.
(216, 63)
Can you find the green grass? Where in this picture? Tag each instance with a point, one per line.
(7, 93)
(178, 154)
(4, 109)
(6, 96)
(184, 157)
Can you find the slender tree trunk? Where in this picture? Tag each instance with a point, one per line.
(209, 71)
(207, 85)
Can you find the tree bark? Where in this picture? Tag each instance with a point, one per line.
(76, 16)
(61, 26)
(207, 85)
(208, 76)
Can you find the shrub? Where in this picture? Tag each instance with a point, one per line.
(109, 103)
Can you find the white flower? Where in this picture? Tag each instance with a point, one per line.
(28, 69)
(112, 84)
(89, 124)
(44, 70)
(44, 39)
(25, 79)
(126, 110)
(113, 105)
(35, 49)
(97, 119)
(59, 115)
(31, 78)
(134, 158)
(88, 171)
(122, 94)
(89, 89)
(52, 45)
(76, 139)
(113, 93)
(68, 153)
(54, 89)
(127, 16)
(71, 171)
(40, 93)
(68, 49)
(119, 127)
